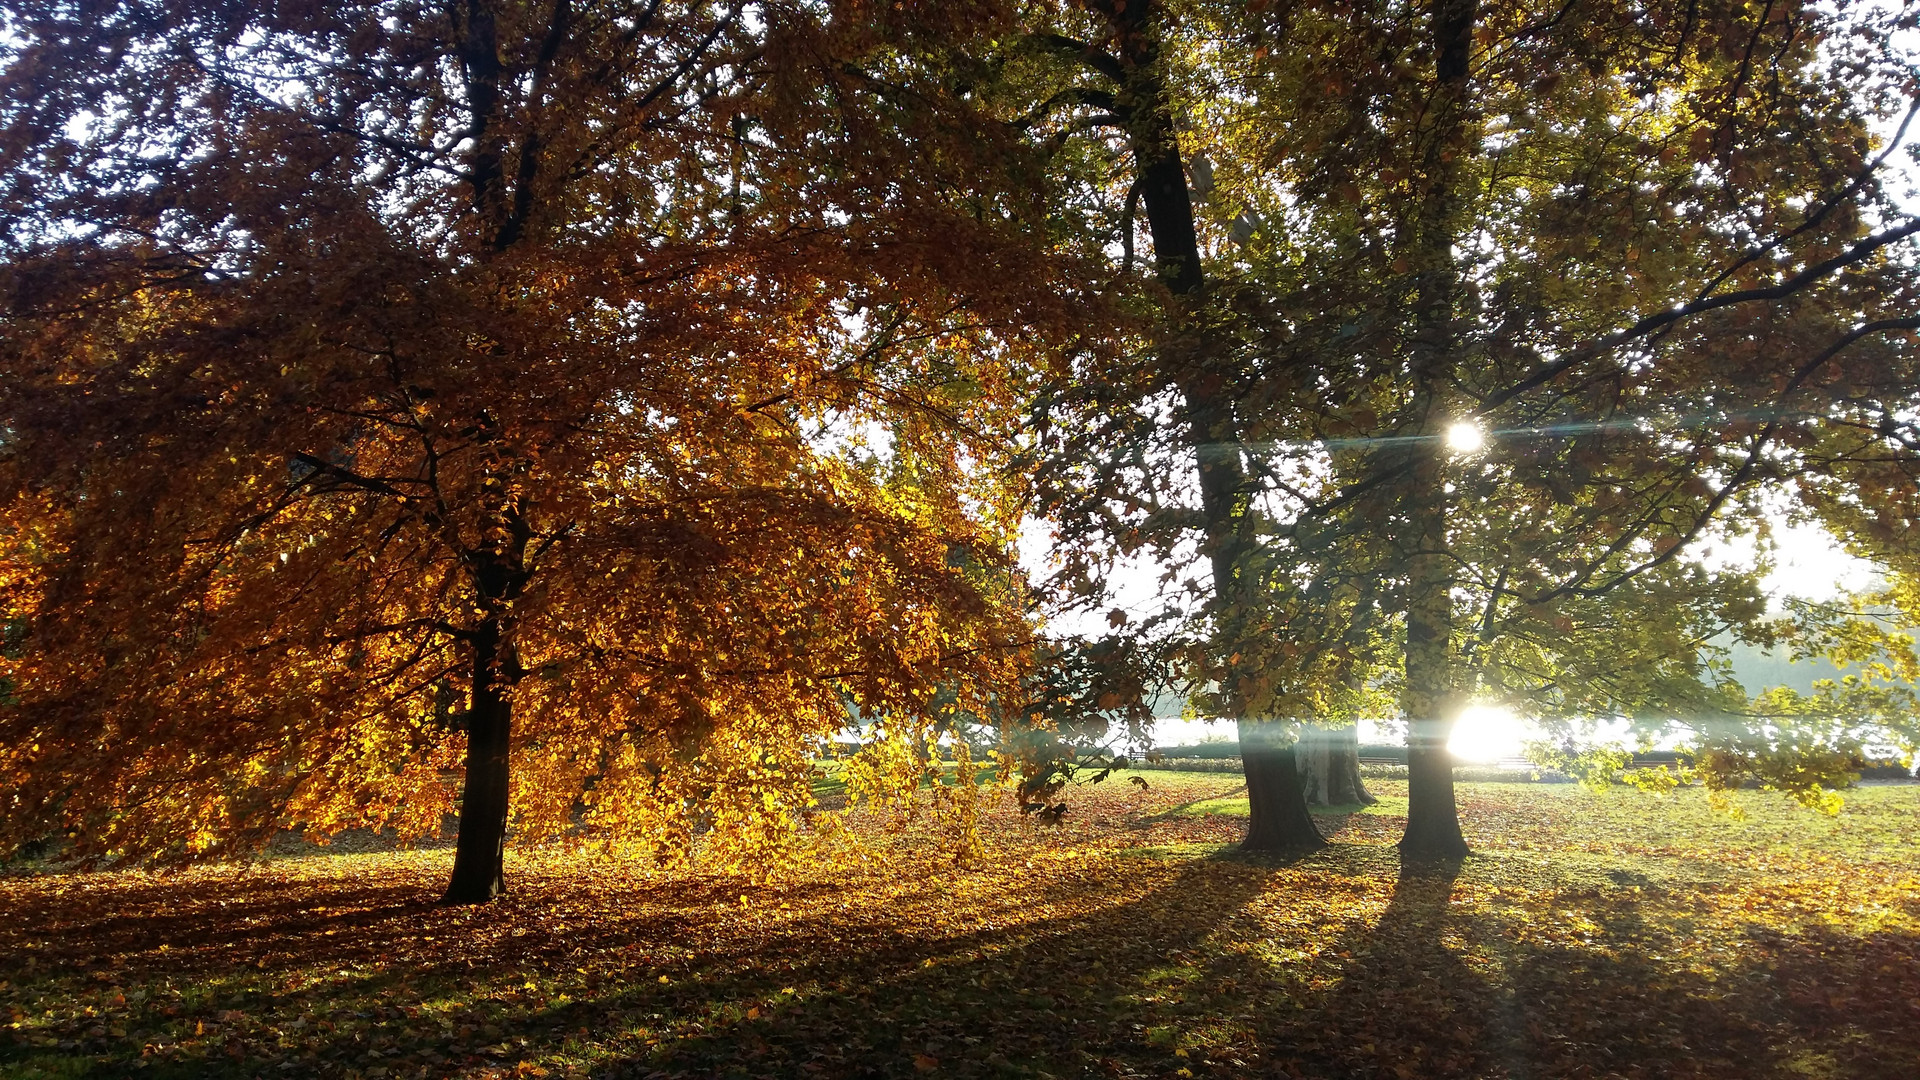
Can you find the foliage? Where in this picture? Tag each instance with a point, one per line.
(1595, 935)
(1086, 705)
(1377, 236)
(1781, 739)
(614, 390)
(1600, 767)
(1611, 447)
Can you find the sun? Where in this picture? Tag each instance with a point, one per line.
(1487, 733)
(1465, 438)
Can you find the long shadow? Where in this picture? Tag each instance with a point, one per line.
(1060, 998)
(1403, 1004)
(1107, 971)
(1038, 980)
(1448, 1017)
(120, 926)
(1441, 990)
(1815, 1002)
(213, 959)
(1174, 813)
(1330, 819)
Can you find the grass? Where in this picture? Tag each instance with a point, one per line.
(1615, 934)
(829, 787)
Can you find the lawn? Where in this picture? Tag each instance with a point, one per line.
(1592, 935)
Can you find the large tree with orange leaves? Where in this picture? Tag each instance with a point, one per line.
(595, 397)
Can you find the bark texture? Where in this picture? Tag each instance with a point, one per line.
(1330, 767)
(1278, 818)
(479, 872)
(500, 575)
(1433, 694)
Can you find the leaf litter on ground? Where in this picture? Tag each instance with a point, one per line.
(1592, 935)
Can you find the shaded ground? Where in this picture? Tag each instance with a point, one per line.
(1594, 935)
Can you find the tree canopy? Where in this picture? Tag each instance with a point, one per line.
(567, 414)
(1643, 255)
(611, 390)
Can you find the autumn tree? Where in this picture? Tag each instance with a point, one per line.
(595, 400)
(1635, 252)
(1107, 436)
(1550, 296)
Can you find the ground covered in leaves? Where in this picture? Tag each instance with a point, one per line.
(1592, 935)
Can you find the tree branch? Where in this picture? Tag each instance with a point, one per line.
(1809, 276)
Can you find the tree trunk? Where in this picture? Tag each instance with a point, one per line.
(1343, 784)
(1348, 786)
(479, 853)
(1314, 752)
(1433, 821)
(1432, 701)
(1278, 819)
(1330, 767)
(1432, 694)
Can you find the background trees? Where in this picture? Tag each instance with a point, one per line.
(1719, 244)
(603, 393)
(1641, 254)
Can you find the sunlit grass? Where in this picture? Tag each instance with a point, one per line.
(1595, 930)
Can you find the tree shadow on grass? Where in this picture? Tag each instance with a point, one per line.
(1060, 997)
(1814, 1002)
(240, 917)
(1340, 965)
(1404, 987)
(1441, 988)
(1385, 994)
(1330, 820)
(1182, 810)
(674, 975)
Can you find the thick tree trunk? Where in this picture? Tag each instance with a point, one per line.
(1433, 822)
(1278, 818)
(1348, 789)
(1315, 752)
(479, 853)
(1432, 692)
(1330, 767)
